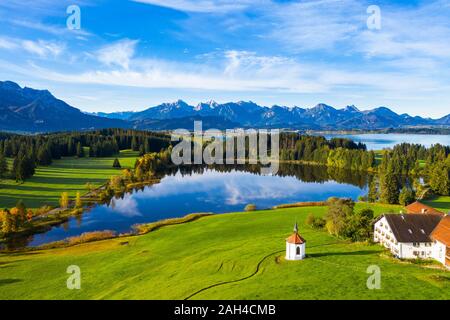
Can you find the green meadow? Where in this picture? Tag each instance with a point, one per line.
(227, 256)
(67, 174)
(441, 203)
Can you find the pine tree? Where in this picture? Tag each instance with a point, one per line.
(141, 150)
(21, 212)
(134, 144)
(44, 157)
(389, 188)
(373, 193)
(116, 163)
(80, 150)
(406, 196)
(3, 166)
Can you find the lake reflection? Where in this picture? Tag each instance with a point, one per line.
(216, 190)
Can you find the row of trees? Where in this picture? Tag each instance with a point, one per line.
(337, 152)
(11, 220)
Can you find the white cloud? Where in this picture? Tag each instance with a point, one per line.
(314, 24)
(205, 6)
(6, 43)
(118, 54)
(43, 48)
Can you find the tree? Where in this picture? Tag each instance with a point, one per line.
(44, 157)
(80, 150)
(21, 212)
(78, 201)
(7, 221)
(3, 166)
(389, 188)
(440, 179)
(134, 144)
(315, 222)
(373, 194)
(406, 196)
(358, 226)
(116, 164)
(338, 211)
(141, 150)
(64, 200)
(30, 215)
(116, 183)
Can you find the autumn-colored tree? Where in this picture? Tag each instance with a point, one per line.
(7, 221)
(78, 201)
(64, 200)
(30, 215)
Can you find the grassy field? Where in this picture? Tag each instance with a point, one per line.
(176, 262)
(68, 174)
(440, 202)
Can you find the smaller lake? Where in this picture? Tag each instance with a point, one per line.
(379, 141)
(208, 191)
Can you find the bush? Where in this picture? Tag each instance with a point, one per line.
(250, 207)
(315, 222)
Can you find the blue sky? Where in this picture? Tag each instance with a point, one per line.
(130, 55)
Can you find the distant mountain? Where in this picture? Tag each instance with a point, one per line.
(26, 109)
(322, 116)
(30, 110)
(178, 109)
(121, 115)
(444, 120)
(185, 123)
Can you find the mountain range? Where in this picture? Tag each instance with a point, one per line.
(30, 110)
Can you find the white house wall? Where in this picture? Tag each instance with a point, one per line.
(384, 235)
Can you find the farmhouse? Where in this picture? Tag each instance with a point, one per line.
(441, 238)
(295, 246)
(419, 207)
(407, 236)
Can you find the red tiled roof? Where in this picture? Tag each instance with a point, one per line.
(442, 231)
(296, 239)
(418, 207)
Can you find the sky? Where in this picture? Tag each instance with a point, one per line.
(131, 55)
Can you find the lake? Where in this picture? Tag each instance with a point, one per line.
(388, 140)
(210, 190)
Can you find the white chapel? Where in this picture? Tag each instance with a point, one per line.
(295, 246)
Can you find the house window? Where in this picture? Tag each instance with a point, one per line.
(298, 250)
(416, 244)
